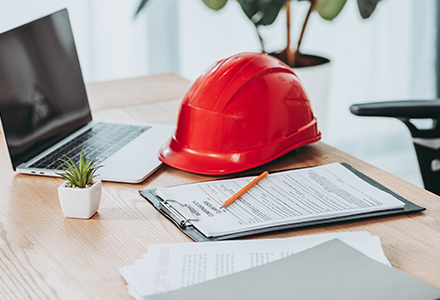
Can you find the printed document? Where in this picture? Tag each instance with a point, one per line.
(172, 266)
(287, 197)
(331, 270)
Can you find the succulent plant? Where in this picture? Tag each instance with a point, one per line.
(81, 174)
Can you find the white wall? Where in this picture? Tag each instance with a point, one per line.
(389, 56)
(111, 43)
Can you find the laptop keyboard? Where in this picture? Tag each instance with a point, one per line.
(103, 139)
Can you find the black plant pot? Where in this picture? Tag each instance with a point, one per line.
(302, 60)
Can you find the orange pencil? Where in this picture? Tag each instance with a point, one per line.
(245, 189)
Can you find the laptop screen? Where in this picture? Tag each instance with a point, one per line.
(42, 93)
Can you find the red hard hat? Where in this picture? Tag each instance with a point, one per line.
(242, 112)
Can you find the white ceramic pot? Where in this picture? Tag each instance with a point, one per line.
(316, 83)
(80, 203)
(314, 72)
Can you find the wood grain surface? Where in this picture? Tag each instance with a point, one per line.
(47, 256)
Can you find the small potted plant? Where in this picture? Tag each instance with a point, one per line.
(80, 194)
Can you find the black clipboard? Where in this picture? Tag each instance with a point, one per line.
(197, 236)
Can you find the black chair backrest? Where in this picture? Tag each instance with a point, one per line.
(426, 141)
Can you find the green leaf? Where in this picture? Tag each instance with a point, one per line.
(215, 4)
(367, 7)
(81, 174)
(261, 12)
(330, 9)
(140, 7)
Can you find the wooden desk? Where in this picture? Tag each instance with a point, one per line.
(44, 255)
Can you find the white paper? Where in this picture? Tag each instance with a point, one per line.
(281, 198)
(171, 266)
(331, 270)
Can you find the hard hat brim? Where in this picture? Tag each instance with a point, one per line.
(175, 155)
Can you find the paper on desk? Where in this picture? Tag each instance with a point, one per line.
(171, 266)
(302, 195)
(331, 270)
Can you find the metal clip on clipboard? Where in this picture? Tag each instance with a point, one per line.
(175, 214)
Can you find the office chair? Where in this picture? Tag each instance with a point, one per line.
(426, 141)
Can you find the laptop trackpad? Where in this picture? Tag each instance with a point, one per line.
(139, 158)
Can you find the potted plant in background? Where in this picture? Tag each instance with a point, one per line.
(80, 194)
(265, 12)
(312, 70)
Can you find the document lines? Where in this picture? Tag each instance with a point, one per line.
(288, 199)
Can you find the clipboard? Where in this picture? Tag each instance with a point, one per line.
(184, 223)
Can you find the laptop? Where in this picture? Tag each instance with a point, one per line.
(45, 112)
